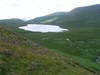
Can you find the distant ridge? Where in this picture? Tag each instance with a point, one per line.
(88, 15)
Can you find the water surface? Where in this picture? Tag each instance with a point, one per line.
(43, 28)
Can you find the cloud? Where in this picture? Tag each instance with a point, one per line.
(34, 8)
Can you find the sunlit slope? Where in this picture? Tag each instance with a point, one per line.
(47, 19)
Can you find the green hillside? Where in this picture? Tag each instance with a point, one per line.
(84, 26)
(83, 45)
(19, 56)
(46, 19)
(12, 23)
(79, 17)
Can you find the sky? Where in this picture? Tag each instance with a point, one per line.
(30, 9)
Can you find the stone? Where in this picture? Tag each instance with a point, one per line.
(98, 60)
(34, 66)
(7, 53)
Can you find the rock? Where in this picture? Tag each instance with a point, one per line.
(7, 53)
(39, 52)
(98, 60)
(11, 73)
(68, 39)
(34, 66)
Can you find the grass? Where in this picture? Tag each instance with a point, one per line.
(22, 57)
(83, 49)
(50, 20)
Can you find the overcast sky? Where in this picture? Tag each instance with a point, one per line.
(34, 8)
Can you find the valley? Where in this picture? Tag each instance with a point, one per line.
(21, 56)
(80, 44)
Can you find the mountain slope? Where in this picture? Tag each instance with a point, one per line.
(12, 23)
(20, 56)
(82, 21)
(48, 18)
(79, 17)
(84, 34)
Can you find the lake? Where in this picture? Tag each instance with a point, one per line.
(43, 28)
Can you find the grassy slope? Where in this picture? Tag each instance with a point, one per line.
(47, 19)
(79, 50)
(22, 57)
(12, 23)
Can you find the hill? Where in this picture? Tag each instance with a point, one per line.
(84, 26)
(13, 23)
(80, 20)
(78, 17)
(20, 56)
(83, 45)
(47, 19)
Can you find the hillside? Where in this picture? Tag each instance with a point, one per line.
(80, 20)
(83, 45)
(20, 56)
(47, 19)
(84, 26)
(12, 23)
(78, 17)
